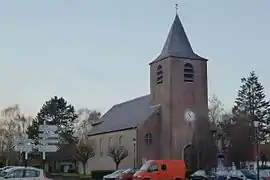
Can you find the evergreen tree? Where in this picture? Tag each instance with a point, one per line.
(251, 103)
(56, 111)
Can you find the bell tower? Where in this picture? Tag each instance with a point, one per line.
(178, 82)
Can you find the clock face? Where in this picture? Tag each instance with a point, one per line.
(189, 115)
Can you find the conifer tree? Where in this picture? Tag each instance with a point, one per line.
(56, 111)
(251, 103)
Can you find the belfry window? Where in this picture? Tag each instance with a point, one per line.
(188, 73)
(159, 74)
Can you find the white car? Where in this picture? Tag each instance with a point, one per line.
(113, 175)
(23, 173)
(243, 174)
(5, 168)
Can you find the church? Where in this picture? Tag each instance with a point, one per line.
(159, 125)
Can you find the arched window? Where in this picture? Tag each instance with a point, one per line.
(159, 75)
(110, 141)
(101, 147)
(121, 138)
(148, 138)
(188, 73)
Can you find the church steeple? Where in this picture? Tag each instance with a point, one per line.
(177, 43)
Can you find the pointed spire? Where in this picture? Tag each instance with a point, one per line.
(177, 43)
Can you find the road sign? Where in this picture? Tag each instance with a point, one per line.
(48, 135)
(48, 141)
(48, 128)
(48, 148)
(22, 141)
(23, 148)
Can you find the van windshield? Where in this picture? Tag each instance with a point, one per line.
(145, 167)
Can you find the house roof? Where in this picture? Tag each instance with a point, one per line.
(177, 43)
(125, 115)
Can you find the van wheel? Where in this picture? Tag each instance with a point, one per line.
(146, 179)
(178, 179)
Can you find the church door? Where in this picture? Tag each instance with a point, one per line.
(190, 157)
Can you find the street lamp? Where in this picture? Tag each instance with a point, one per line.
(134, 152)
(256, 125)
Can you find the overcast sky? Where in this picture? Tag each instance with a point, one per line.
(96, 53)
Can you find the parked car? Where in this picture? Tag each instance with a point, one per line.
(127, 174)
(221, 174)
(162, 169)
(198, 175)
(264, 174)
(5, 168)
(113, 175)
(23, 173)
(202, 174)
(241, 174)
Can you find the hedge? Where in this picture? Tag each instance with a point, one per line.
(98, 174)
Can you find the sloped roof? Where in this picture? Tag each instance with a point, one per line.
(126, 115)
(177, 43)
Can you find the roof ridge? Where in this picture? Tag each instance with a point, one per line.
(131, 100)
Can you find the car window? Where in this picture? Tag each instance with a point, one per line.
(127, 171)
(31, 173)
(18, 173)
(248, 174)
(153, 167)
(163, 167)
(115, 172)
(235, 173)
(145, 167)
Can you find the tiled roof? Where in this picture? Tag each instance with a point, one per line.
(125, 115)
(177, 43)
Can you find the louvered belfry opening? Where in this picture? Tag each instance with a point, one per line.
(159, 74)
(188, 73)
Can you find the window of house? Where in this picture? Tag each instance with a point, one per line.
(148, 138)
(101, 147)
(110, 141)
(159, 75)
(121, 138)
(188, 73)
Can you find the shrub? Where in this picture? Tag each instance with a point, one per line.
(98, 174)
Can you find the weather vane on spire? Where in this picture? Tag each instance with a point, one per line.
(176, 7)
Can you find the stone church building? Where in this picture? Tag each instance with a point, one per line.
(162, 122)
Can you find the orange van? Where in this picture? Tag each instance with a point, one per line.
(161, 170)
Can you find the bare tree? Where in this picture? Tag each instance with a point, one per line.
(85, 150)
(216, 109)
(117, 153)
(11, 128)
(13, 124)
(85, 119)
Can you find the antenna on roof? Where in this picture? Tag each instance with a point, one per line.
(176, 7)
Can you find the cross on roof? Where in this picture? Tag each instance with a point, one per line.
(176, 6)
